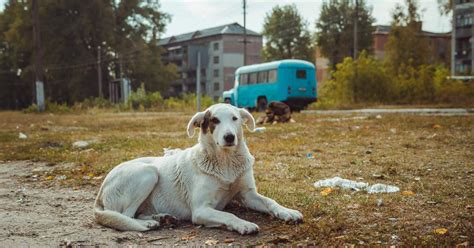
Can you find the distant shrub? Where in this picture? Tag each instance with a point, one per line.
(50, 107)
(93, 102)
(364, 80)
(139, 99)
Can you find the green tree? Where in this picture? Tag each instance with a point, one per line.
(335, 29)
(286, 35)
(406, 44)
(71, 33)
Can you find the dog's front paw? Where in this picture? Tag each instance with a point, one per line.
(290, 215)
(246, 227)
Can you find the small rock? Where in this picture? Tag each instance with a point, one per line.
(378, 117)
(61, 177)
(379, 202)
(393, 130)
(392, 219)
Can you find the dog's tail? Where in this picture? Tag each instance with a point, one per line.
(115, 219)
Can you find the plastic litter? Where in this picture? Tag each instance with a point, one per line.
(80, 144)
(22, 136)
(171, 151)
(260, 129)
(355, 185)
(309, 155)
(382, 188)
(341, 182)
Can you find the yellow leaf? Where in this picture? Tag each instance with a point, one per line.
(441, 231)
(90, 175)
(436, 126)
(408, 193)
(326, 191)
(50, 178)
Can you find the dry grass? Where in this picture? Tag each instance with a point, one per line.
(435, 162)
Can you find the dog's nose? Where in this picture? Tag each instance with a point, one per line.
(229, 138)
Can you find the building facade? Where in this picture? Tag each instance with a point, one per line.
(221, 51)
(463, 37)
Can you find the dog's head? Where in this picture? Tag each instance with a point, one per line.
(223, 123)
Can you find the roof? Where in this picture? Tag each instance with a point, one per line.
(232, 28)
(385, 29)
(275, 64)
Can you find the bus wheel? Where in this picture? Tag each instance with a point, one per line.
(261, 104)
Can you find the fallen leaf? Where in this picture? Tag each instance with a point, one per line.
(436, 126)
(326, 191)
(229, 241)
(463, 244)
(90, 175)
(441, 231)
(211, 242)
(408, 193)
(280, 239)
(50, 178)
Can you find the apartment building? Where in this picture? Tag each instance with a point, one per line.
(463, 37)
(221, 52)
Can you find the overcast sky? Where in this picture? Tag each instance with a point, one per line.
(191, 15)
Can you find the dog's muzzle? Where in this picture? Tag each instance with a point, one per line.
(229, 139)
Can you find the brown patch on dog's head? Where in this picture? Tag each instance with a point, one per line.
(205, 122)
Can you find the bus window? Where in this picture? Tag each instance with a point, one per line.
(262, 77)
(272, 76)
(253, 78)
(244, 79)
(301, 74)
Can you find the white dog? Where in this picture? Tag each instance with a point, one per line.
(194, 184)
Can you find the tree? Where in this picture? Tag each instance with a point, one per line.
(71, 34)
(335, 29)
(406, 44)
(286, 34)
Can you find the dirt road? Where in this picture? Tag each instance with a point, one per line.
(37, 216)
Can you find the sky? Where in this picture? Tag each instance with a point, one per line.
(192, 15)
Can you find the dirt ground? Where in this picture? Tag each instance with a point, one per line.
(48, 186)
(35, 215)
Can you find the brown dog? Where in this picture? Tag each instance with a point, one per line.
(276, 112)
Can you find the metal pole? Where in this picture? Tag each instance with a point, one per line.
(356, 20)
(99, 72)
(198, 82)
(245, 32)
(39, 86)
(453, 41)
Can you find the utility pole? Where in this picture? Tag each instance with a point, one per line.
(245, 32)
(453, 41)
(39, 86)
(99, 72)
(356, 20)
(198, 82)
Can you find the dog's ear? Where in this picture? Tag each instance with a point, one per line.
(200, 119)
(249, 121)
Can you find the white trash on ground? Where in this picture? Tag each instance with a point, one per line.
(170, 151)
(260, 129)
(349, 184)
(382, 188)
(341, 182)
(80, 144)
(22, 136)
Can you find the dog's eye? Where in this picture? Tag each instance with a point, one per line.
(215, 120)
(234, 118)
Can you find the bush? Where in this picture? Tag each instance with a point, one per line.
(364, 80)
(50, 107)
(139, 99)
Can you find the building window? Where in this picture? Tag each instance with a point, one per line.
(216, 86)
(216, 59)
(216, 73)
(216, 46)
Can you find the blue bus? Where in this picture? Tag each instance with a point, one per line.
(291, 81)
